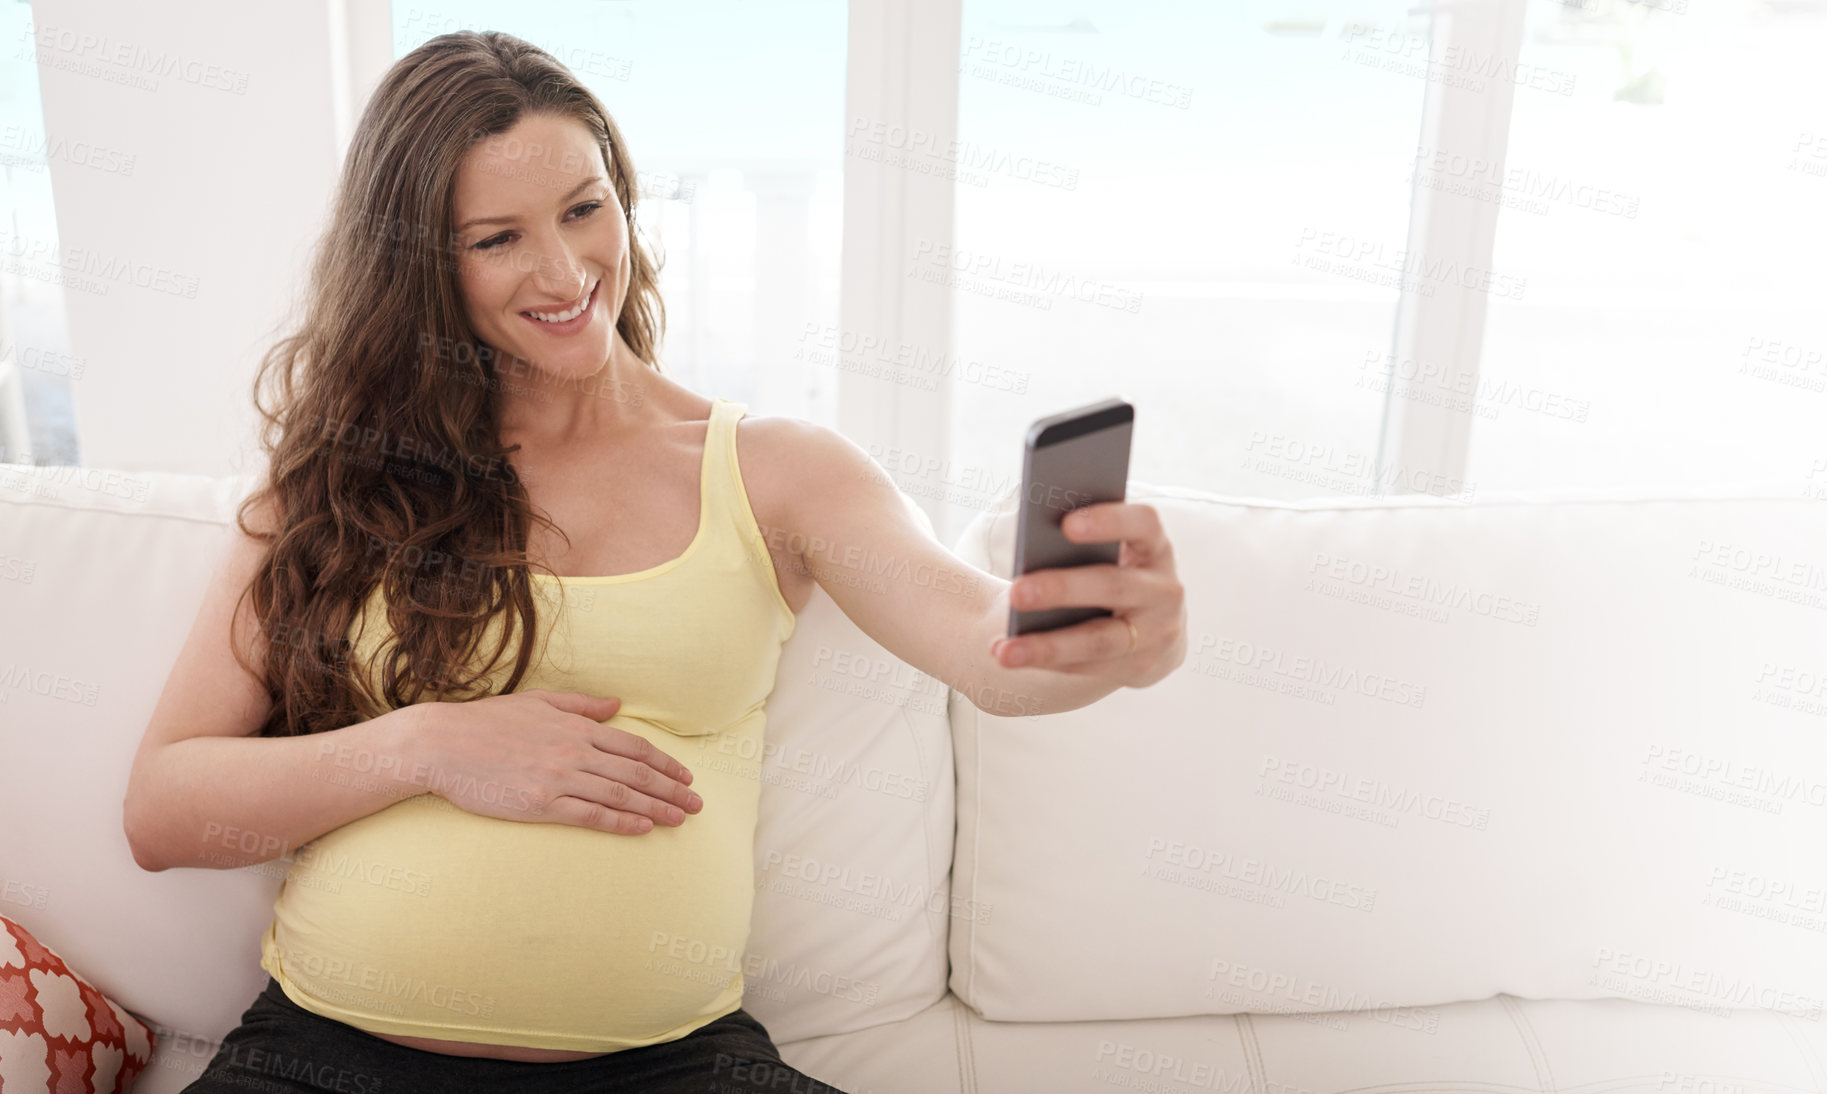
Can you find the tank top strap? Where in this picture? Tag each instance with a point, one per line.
(727, 498)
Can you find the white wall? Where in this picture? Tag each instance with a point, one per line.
(227, 193)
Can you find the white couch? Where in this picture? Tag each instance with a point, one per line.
(1524, 795)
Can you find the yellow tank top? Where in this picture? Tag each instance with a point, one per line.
(425, 920)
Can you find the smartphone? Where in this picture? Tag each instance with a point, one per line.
(1072, 459)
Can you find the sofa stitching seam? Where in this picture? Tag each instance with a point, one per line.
(1252, 1051)
(1531, 1044)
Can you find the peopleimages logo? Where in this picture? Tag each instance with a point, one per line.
(1344, 471)
(1076, 79)
(126, 62)
(1456, 65)
(1138, 1068)
(32, 151)
(1372, 260)
(1305, 669)
(1659, 980)
(829, 769)
(50, 685)
(1380, 799)
(1720, 775)
(838, 879)
(1482, 394)
(943, 260)
(1786, 363)
(332, 977)
(1761, 562)
(1761, 570)
(1791, 894)
(1278, 992)
(1424, 589)
(872, 355)
(920, 150)
(1792, 688)
(1211, 862)
(88, 269)
(716, 957)
(1522, 187)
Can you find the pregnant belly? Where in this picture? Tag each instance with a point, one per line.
(426, 923)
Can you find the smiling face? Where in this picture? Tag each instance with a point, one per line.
(543, 259)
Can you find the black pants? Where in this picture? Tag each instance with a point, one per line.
(281, 1048)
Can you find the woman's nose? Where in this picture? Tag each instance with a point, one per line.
(557, 272)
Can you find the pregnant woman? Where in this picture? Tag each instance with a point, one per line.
(503, 583)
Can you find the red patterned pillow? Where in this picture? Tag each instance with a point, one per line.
(57, 1033)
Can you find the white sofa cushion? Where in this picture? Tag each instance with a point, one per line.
(853, 850)
(1556, 746)
(1495, 1045)
(101, 575)
(1491, 1045)
(118, 567)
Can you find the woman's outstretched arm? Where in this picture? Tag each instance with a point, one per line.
(865, 544)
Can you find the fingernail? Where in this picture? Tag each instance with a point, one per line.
(687, 777)
(1018, 655)
(694, 800)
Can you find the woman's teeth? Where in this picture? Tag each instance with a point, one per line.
(564, 316)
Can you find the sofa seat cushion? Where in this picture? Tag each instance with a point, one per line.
(927, 1053)
(1501, 1045)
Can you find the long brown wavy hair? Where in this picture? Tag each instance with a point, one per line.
(384, 464)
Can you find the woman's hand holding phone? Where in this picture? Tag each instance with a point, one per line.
(1143, 639)
(548, 757)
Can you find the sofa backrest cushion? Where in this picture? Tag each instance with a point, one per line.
(1419, 752)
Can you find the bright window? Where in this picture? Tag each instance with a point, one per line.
(1668, 217)
(1196, 166)
(36, 366)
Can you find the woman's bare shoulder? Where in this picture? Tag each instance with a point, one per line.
(778, 454)
(767, 448)
(776, 444)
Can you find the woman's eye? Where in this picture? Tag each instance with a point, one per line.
(587, 209)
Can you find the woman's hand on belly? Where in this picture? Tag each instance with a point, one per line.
(546, 756)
